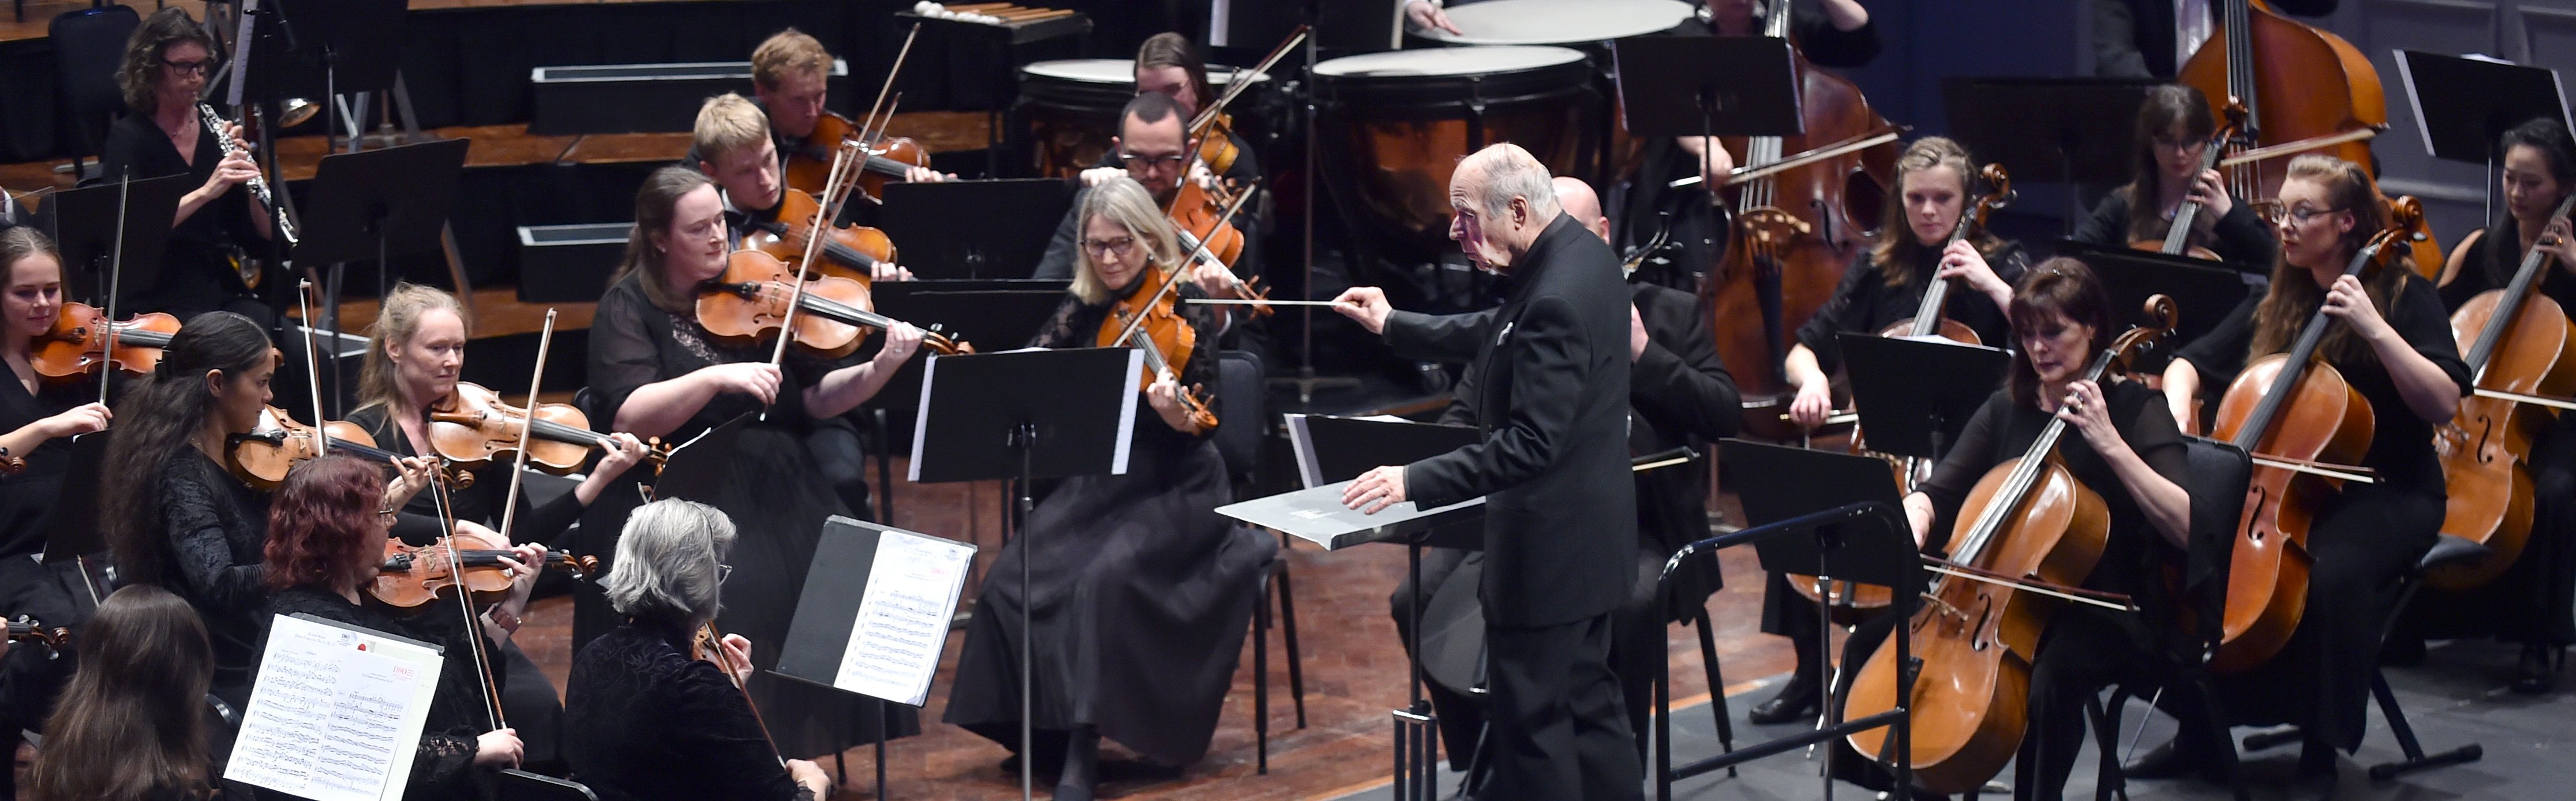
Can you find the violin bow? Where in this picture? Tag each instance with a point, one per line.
(465, 595)
(115, 281)
(527, 427)
(1243, 79)
(1168, 286)
(849, 184)
(888, 87)
(813, 245)
(724, 661)
(312, 368)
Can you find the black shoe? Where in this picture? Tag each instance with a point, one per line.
(2316, 759)
(1797, 701)
(2538, 671)
(2161, 762)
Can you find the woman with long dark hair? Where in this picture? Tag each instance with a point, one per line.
(2534, 603)
(132, 725)
(219, 224)
(2388, 337)
(174, 516)
(326, 539)
(2173, 132)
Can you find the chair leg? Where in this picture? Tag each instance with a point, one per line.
(2105, 718)
(2225, 746)
(1716, 682)
(1296, 658)
(2415, 759)
(1261, 681)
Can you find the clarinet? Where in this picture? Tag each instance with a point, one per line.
(215, 124)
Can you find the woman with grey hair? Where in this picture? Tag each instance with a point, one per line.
(1138, 593)
(644, 716)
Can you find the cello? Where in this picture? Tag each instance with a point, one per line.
(1928, 319)
(2515, 341)
(1792, 233)
(1977, 633)
(2288, 410)
(2177, 241)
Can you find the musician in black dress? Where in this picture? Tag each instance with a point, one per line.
(132, 725)
(2531, 603)
(173, 514)
(327, 528)
(1883, 285)
(219, 224)
(2121, 444)
(648, 718)
(2174, 128)
(1139, 592)
(2388, 337)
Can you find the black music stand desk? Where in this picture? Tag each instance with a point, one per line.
(1675, 86)
(83, 224)
(1026, 415)
(975, 229)
(836, 588)
(2203, 291)
(1915, 395)
(2463, 105)
(375, 205)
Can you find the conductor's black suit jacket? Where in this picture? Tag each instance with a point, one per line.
(1560, 506)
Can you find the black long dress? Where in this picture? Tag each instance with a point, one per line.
(27, 499)
(196, 275)
(443, 766)
(2362, 540)
(649, 723)
(214, 539)
(2082, 650)
(32, 677)
(1142, 592)
(2534, 602)
(767, 484)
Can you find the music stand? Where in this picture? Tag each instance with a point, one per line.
(2463, 105)
(991, 315)
(2203, 294)
(373, 205)
(2072, 130)
(974, 229)
(83, 225)
(836, 586)
(1677, 86)
(983, 418)
(1915, 395)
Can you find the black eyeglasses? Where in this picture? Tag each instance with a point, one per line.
(197, 67)
(1133, 161)
(1103, 248)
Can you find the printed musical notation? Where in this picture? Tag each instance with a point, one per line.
(336, 714)
(903, 617)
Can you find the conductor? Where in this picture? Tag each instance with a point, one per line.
(1560, 506)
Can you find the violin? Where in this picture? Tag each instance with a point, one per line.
(751, 300)
(475, 428)
(1203, 227)
(262, 458)
(2286, 408)
(76, 345)
(1793, 232)
(1150, 320)
(2515, 341)
(2177, 241)
(412, 577)
(1927, 319)
(26, 628)
(1975, 637)
(849, 251)
(708, 646)
(888, 159)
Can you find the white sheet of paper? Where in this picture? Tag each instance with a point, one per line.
(903, 617)
(336, 714)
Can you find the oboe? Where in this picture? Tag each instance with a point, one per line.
(258, 185)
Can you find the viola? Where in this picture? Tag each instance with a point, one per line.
(751, 300)
(2515, 341)
(77, 344)
(2027, 518)
(1793, 232)
(708, 645)
(2177, 241)
(262, 458)
(26, 628)
(888, 159)
(1149, 320)
(411, 577)
(2285, 408)
(849, 251)
(474, 428)
(1203, 226)
(1928, 319)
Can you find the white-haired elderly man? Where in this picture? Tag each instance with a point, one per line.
(1560, 507)
(645, 719)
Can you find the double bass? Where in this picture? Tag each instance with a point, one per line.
(1792, 233)
(2515, 342)
(2289, 410)
(1975, 637)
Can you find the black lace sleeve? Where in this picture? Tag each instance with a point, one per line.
(1061, 330)
(201, 539)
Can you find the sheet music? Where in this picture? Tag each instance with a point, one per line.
(903, 617)
(337, 712)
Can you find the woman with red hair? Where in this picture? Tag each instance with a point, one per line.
(327, 527)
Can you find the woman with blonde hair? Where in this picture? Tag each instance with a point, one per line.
(1139, 594)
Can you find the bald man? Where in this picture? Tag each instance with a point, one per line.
(1560, 506)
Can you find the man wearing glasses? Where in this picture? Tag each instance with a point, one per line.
(1153, 146)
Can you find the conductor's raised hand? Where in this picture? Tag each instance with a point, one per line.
(1366, 304)
(1376, 489)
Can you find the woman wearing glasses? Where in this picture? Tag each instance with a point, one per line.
(326, 538)
(2389, 338)
(167, 63)
(1138, 593)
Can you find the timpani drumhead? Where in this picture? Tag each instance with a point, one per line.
(1069, 108)
(1393, 125)
(1550, 22)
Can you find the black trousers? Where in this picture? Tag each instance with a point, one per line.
(1558, 728)
(2081, 654)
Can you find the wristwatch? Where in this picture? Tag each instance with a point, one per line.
(502, 617)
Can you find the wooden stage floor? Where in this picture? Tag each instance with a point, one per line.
(1354, 675)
